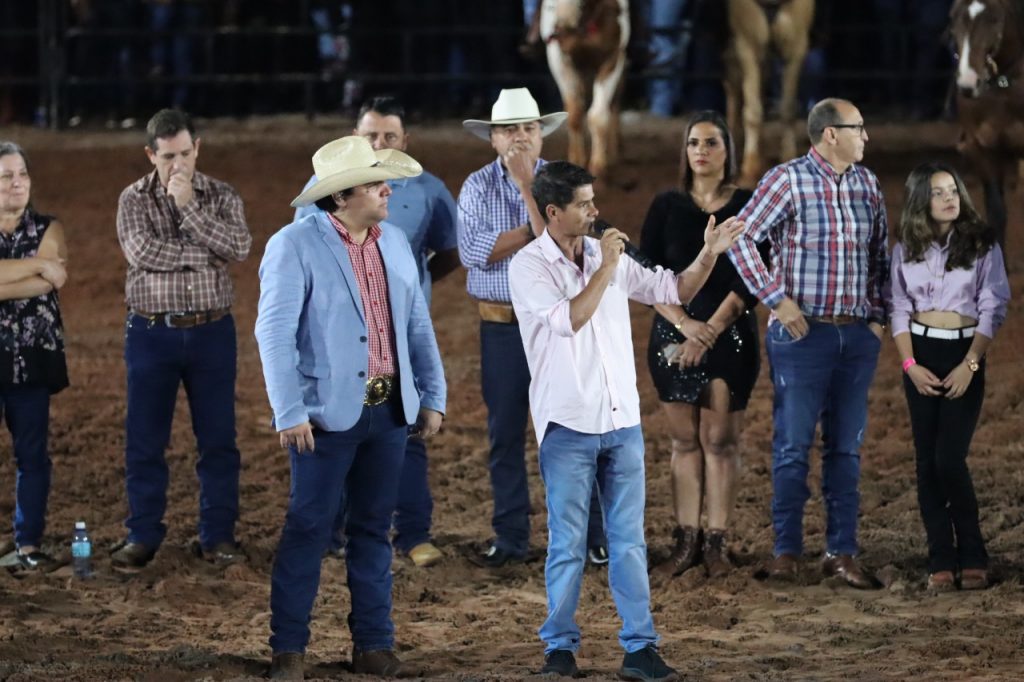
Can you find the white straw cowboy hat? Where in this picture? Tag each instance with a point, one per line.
(515, 105)
(350, 162)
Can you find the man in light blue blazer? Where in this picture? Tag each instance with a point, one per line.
(350, 362)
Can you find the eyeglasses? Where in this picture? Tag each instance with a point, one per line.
(859, 127)
(947, 193)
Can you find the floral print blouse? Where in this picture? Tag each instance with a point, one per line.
(31, 331)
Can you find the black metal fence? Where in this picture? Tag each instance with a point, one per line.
(61, 70)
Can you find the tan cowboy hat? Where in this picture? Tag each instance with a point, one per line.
(515, 105)
(350, 162)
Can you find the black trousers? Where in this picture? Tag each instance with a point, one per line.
(942, 430)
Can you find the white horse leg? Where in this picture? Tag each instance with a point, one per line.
(606, 86)
(570, 87)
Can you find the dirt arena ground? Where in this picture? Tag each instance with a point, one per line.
(181, 619)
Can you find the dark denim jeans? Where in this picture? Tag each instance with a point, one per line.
(415, 509)
(824, 375)
(364, 460)
(26, 410)
(943, 430)
(505, 378)
(158, 359)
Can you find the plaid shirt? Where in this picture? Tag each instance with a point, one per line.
(829, 239)
(368, 267)
(489, 204)
(177, 259)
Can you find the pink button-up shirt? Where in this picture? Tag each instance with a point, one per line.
(583, 380)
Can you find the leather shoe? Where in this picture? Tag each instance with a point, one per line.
(131, 555)
(941, 581)
(286, 666)
(380, 662)
(784, 567)
(845, 566)
(222, 553)
(425, 554)
(496, 557)
(973, 579)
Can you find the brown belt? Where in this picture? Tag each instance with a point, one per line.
(836, 319)
(184, 320)
(379, 389)
(491, 311)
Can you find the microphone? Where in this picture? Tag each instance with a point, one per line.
(599, 227)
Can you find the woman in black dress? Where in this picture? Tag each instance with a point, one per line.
(704, 357)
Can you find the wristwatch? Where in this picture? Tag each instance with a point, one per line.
(972, 364)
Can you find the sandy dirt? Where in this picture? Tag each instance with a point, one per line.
(183, 619)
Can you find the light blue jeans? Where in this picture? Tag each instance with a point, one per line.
(570, 462)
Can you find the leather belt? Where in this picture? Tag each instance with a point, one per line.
(379, 389)
(492, 311)
(836, 319)
(184, 320)
(938, 333)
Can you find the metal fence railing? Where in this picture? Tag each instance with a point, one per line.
(109, 72)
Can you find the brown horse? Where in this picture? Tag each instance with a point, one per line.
(989, 37)
(754, 27)
(586, 49)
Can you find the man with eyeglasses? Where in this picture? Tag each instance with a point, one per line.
(827, 289)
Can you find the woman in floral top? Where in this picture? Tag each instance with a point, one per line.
(32, 365)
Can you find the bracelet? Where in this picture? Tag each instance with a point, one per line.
(679, 325)
(908, 363)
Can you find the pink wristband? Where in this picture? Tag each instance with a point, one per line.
(908, 363)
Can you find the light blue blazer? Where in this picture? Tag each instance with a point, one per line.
(311, 329)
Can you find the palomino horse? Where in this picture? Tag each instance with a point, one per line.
(754, 27)
(989, 37)
(586, 47)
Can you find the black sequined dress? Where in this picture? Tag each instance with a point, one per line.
(672, 236)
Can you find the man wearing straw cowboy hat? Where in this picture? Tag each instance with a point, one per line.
(497, 217)
(350, 360)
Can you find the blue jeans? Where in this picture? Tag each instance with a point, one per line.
(26, 409)
(158, 359)
(505, 375)
(825, 374)
(415, 504)
(362, 460)
(570, 463)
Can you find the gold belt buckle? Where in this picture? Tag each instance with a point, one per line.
(378, 390)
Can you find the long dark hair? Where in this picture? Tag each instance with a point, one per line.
(970, 237)
(714, 118)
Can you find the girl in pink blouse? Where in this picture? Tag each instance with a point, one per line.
(949, 296)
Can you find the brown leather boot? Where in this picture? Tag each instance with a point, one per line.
(716, 554)
(685, 554)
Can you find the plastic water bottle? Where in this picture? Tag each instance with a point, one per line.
(81, 551)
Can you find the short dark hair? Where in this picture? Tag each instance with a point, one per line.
(328, 203)
(168, 123)
(385, 105)
(822, 115)
(556, 183)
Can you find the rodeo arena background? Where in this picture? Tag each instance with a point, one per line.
(226, 453)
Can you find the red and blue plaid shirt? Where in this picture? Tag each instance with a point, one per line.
(829, 237)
